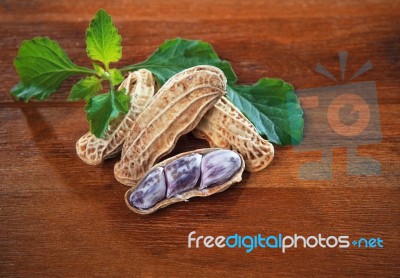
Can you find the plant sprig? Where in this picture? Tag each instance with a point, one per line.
(42, 65)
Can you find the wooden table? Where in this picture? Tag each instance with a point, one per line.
(61, 217)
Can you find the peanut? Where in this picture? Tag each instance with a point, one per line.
(140, 85)
(175, 110)
(224, 126)
(181, 175)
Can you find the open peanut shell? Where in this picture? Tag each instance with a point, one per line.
(191, 193)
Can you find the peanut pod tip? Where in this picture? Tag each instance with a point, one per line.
(197, 173)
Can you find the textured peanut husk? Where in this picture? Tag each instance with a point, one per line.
(175, 110)
(224, 126)
(140, 86)
(191, 193)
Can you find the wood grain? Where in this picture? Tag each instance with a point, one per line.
(60, 217)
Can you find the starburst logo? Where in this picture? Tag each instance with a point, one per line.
(344, 115)
(343, 62)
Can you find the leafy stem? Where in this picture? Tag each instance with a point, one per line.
(42, 65)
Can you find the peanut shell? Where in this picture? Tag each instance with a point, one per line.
(140, 86)
(224, 126)
(196, 192)
(175, 110)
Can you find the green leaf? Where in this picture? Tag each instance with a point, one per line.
(101, 109)
(178, 54)
(272, 106)
(42, 66)
(116, 76)
(85, 89)
(103, 43)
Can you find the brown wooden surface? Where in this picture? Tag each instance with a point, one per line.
(60, 217)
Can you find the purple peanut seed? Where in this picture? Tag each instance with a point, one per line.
(182, 174)
(218, 167)
(150, 190)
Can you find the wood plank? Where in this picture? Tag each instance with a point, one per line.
(78, 230)
(61, 217)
